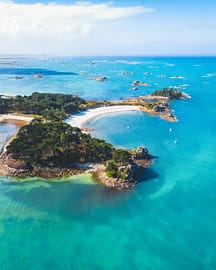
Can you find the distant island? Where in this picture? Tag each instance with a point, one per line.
(48, 147)
(170, 94)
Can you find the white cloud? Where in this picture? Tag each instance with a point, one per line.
(42, 28)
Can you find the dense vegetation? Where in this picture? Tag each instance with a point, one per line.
(156, 106)
(151, 105)
(49, 142)
(4, 105)
(119, 157)
(168, 92)
(50, 106)
(56, 144)
(112, 169)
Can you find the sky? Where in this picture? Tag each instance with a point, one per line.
(82, 28)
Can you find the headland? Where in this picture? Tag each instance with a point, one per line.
(47, 146)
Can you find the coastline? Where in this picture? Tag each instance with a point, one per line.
(164, 116)
(5, 118)
(96, 170)
(81, 118)
(47, 173)
(10, 168)
(157, 106)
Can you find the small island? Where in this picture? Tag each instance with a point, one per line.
(139, 83)
(170, 94)
(158, 102)
(46, 146)
(55, 149)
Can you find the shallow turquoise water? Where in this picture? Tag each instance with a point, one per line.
(166, 222)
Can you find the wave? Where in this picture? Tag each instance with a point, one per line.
(169, 65)
(209, 75)
(177, 77)
(127, 62)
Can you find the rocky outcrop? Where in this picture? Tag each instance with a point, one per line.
(37, 76)
(135, 83)
(129, 172)
(11, 167)
(161, 107)
(132, 172)
(116, 183)
(141, 153)
(100, 78)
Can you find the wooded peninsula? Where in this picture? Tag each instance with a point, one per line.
(49, 147)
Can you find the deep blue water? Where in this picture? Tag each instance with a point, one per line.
(167, 221)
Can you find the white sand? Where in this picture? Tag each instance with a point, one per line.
(80, 119)
(5, 117)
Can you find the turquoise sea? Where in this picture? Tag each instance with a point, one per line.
(167, 222)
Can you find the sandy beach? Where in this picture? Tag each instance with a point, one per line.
(14, 117)
(80, 119)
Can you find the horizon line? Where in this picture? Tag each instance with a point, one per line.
(116, 55)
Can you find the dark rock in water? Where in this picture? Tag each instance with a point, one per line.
(141, 153)
(18, 77)
(100, 78)
(136, 82)
(127, 73)
(37, 76)
(130, 171)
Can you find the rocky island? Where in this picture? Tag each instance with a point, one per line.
(48, 147)
(158, 102)
(55, 149)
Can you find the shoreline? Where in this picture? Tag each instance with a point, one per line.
(164, 116)
(58, 174)
(157, 106)
(81, 118)
(5, 118)
(97, 170)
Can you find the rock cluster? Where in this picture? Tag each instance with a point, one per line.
(9, 169)
(164, 106)
(37, 76)
(135, 83)
(116, 183)
(131, 170)
(100, 78)
(141, 153)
